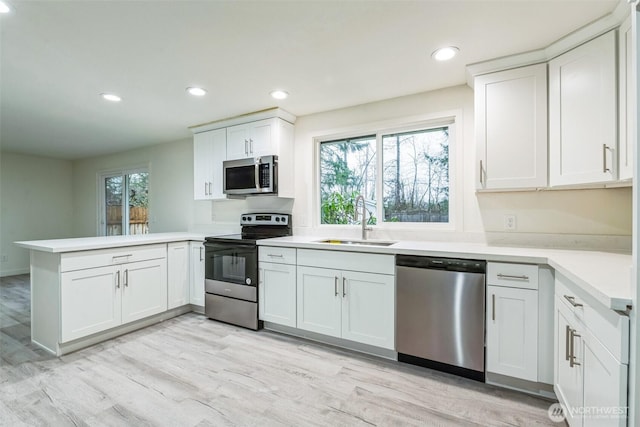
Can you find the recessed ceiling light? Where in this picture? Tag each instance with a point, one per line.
(196, 91)
(4, 8)
(111, 97)
(445, 53)
(279, 94)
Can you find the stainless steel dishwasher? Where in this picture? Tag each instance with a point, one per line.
(440, 314)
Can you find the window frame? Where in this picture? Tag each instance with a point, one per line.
(101, 208)
(450, 119)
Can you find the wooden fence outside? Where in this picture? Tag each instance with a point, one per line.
(138, 220)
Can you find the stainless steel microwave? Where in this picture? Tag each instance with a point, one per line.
(255, 175)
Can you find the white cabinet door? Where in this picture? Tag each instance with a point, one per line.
(319, 302)
(144, 290)
(605, 385)
(511, 128)
(627, 99)
(202, 166)
(582, 114)
(209, 151)
(568, 379)
(512, 332)
(277, 293)
(90, 301)
(196, 294)
(368, 308)
(238, 141)
(262, 138)
(177, 274)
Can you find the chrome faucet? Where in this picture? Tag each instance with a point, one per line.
(364, 217)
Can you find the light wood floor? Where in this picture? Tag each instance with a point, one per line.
(191, 371)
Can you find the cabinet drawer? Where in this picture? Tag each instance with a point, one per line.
(610, 327)
(353, 261)
(71, 261)
(523, 276)
(277, 255)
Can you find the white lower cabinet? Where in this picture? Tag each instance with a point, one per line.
(512, 320)
(90, 301)
(512, 332)
(178, 274)
(277, 293)
(96, 299)
(591, 360)
(196, 275)
(353, 305)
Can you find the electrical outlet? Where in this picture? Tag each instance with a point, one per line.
(510, 222)
(4, 258)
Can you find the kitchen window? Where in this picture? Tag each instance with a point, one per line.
(124, 203)
(404, 176)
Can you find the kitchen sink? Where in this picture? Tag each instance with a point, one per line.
(356, 242)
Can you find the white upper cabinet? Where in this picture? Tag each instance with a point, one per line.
(627, 99)
(582, 114)
(252, 139)
(265, 133)
(209, 151)
(511, 128)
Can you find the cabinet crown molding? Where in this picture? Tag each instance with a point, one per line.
(269, 113)
(572, 40)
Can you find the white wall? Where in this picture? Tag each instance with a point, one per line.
(35, 203)
(171, 202)
(599, 218)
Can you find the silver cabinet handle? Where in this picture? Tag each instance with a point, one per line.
(275, 255)
(335, 286)
(572, 301)
(344, 287)
(251, 145)
(118, 279)
(126, 278)
(115, 257)
(210, 188)
(572, 359)
(481, 183)
(206, 189)
(567, 334)
(513, 277)
(201, 248)
(246, 150)
(493, 307)
(605, 169)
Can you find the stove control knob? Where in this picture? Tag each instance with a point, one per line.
(277, 219)
(283, 219)
(244, 218)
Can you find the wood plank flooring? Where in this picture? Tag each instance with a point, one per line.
(192, 371)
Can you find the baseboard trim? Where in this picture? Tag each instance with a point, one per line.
(14, 272)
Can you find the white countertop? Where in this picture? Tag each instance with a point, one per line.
(105, 242)
(606, 276)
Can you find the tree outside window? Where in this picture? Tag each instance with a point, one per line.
(414, 178)
(347, 169)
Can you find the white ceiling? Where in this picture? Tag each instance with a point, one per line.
(56, 58)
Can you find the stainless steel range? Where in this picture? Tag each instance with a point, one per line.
(231, 269)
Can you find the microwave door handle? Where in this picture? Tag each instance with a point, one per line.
(258, 174)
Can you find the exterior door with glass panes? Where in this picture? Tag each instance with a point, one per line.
(125, 207)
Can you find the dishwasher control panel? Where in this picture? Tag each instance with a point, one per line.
(452, 264)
